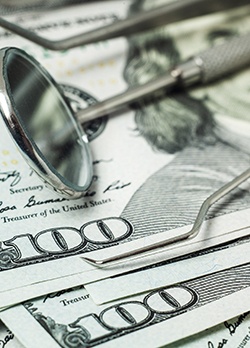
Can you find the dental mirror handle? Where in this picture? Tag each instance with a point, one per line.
(208, 66)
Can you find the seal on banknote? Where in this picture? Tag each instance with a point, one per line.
(79, 100)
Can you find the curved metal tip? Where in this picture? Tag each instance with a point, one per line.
(93, 262)
(153, 248)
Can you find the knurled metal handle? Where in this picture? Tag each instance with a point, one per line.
(224, 59)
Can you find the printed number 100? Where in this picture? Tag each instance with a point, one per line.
(68, 240)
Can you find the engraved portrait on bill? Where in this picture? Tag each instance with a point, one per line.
(206, 128)
(132, 197)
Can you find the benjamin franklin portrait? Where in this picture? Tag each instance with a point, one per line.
(197, 126)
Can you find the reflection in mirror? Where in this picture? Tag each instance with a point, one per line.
(47, 120)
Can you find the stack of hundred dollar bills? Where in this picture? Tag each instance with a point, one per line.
(154, 164)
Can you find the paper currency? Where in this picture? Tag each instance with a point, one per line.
(7, 338)
(10, 6)
(234, 333)
(193, 265)
(33, 219)
(29, 211)
(158, 317)
(139, 194)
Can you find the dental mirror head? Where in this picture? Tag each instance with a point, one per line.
(43, 125)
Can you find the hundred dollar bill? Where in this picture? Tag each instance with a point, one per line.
(70, 318)
(234, 333)
(7, 338)
(10, 6)
(169, 272)
(148, 181)
(33, 219)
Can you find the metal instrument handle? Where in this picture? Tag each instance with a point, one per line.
(225, 59)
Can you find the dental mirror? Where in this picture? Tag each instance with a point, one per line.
(43, 125)
(50, 135)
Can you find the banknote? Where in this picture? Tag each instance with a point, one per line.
(43, 235)
(169, 272)
(31, 215)
(232, 333)
(7, 7)
(128, 181)
(70, 318)
(7, 338)
(29, 211)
